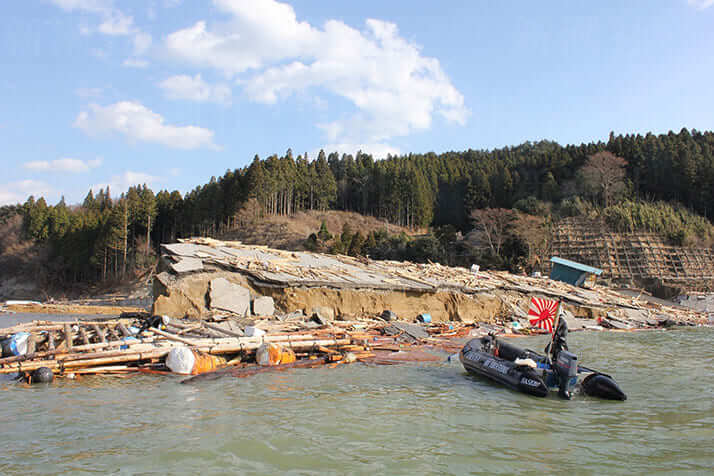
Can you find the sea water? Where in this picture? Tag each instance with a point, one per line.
(361, 419)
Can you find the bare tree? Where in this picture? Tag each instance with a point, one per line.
(535, 231)
(495, 224)
(605, 173)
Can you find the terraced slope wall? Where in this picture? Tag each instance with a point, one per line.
(633, 257)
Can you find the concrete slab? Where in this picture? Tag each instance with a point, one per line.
(186, 265)
(263, 306)
(229, 297)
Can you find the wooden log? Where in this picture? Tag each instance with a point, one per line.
(114, 343)
(189, 329)
(327, 350)
(68, 336)
(83, 335)
(124, 331)
(88, 360)
(55, 364)
(191, 342)
(352, 348)
(112, 353)
(241, 372)
(99, 332)
(39, 326)
(133, 357)
(223, 331)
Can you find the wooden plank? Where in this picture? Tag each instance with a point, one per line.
(83, 335)
(223, 331)
(68, 336)
(99, 332)
(124, 331)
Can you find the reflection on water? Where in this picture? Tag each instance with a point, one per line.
(409, 419)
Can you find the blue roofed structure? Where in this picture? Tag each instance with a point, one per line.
(572, 272)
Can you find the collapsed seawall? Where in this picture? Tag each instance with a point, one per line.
(301, 281)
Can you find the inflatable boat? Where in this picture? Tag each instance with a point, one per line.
(535, 374)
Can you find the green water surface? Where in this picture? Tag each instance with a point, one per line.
(359, 419)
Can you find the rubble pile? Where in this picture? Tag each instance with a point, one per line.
(352, 287)
(153, 344)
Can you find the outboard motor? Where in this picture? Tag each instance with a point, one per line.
(565, 363)
(566, 367)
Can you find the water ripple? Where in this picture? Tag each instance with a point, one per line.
(420, 418)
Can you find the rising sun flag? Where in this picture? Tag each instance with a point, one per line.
(542, 313)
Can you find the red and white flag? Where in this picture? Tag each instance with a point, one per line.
(542, 313)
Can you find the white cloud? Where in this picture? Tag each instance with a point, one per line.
(93, 6)
(114, 22)
(701, 4)
(138, 123)
(117, 24)
(18, 192)
(195, 89)
(394, 88)
(142, 42)
(119, 184)
(259, 32)
(135, 63)
(63, 165)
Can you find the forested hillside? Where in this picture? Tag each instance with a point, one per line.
(108, 236)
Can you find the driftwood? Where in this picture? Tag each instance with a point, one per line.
(94, 348)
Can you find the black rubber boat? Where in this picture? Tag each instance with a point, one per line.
(529, 372)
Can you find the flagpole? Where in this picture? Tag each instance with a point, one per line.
(555, 325)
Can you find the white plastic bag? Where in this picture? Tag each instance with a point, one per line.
(252, 331)
(18, 343)
(181, 360)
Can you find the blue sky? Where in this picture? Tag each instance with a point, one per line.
(172, 92)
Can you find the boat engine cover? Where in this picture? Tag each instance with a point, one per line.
(567, 364)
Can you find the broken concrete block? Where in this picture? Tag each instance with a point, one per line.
(186, 265)
(323, 315)
(229, 297)
(406, 332)
(263, 306)
(230, 325)
(293, 316)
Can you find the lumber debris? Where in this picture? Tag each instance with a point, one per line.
(141, 345)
